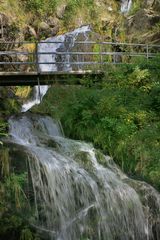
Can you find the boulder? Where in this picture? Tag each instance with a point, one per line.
(53, 22)
(43, 26)
(61, 10)
(54, 31)
(29, 32)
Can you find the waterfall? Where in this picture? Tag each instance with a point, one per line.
(62, 43)
(126, 5)
(37, 97)
(79, 193)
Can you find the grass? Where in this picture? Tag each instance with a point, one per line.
(15, 12)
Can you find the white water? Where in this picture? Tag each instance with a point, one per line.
(66, 44)
(75, 196)
(126, 5)
(37, 97)
(62, 43)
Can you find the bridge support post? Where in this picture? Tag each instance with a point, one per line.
(39, 89)
(37, 68)
(147, 51)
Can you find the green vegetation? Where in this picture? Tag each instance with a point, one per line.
(14, 206)
(14, 203)
(136, 5)
(121, 116)
(41, 7)
(3, 127)
(8, 106)
(65, 14)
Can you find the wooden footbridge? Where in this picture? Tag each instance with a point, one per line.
(26, 63)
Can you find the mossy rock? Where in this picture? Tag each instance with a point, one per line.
(84, 159)
(51, 143)
(101, 158)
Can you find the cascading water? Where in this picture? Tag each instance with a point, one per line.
(37, 97)
(126, 5)
(62, 43)
(76, 197)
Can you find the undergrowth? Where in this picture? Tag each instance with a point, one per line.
(121, 116)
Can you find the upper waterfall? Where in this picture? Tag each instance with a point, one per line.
(126, 5)
(62, 43)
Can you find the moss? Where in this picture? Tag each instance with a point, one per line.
(53, 144)
(101, 158)
(84, 159)
(4, 162)
(136, 6)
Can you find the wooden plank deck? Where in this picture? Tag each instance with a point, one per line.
(44, 78)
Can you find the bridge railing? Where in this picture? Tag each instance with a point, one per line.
(65, 56)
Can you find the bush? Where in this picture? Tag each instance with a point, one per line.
(121, 117)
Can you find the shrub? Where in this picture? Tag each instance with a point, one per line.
(121, 117)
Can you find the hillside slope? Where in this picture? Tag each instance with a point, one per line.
(36, 19)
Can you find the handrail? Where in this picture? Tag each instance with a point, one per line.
(83, 42)
(78, 58)
(80, 53)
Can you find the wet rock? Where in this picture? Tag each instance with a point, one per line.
(151, 204)
(84, 159)
(101, 159)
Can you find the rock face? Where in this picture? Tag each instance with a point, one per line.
(48, 28)
(142, 24)
(145, 18)
(3, 24)
(103, 15)
(9, 30)
(151, 203)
